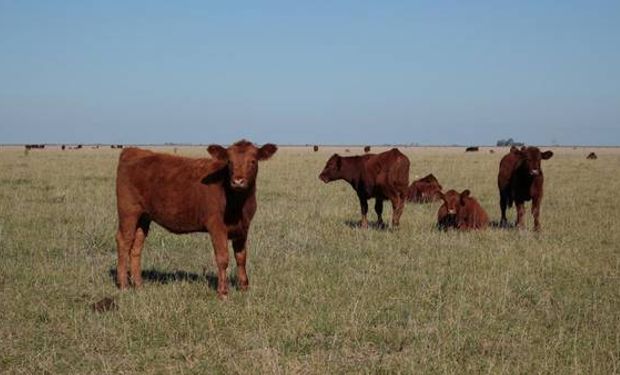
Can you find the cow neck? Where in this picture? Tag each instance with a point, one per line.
(352, 173)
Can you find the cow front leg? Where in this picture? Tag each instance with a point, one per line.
(124, 242)
(379, 211)
(536, 213)
(364, 207)
(136, 253)
(219, 239)
(240, 249)
(520, 214)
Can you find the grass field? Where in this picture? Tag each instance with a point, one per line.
(325, 297)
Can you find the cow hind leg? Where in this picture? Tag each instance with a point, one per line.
(503, 203)
(398, 204)
(379, 211)
(364, 208)
(125, 236)
(136, 251)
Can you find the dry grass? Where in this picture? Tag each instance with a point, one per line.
(325, 297)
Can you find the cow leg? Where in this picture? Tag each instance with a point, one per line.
(520, 214)
(239, 247)
(136, 252)
(502, 205)
(364, 207)
(124, 241)
(379, 210)
(398, 204)
(536, 212)
(219, 239)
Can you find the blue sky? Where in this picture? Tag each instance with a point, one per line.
(337, 72)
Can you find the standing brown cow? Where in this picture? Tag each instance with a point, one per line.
(186, 195)
(380, 176)
(520, 179)
(461, 211)
(424, 190)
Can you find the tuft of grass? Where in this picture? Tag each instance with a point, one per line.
(325, 296)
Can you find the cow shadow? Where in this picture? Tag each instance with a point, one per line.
(356, 224)
(155, 276)
(496, 224)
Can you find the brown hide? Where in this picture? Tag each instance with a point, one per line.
(380, 176)
(520, 179)
(187, 195)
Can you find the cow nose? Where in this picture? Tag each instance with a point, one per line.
(452, 212)
(535, 172)
(238, 182)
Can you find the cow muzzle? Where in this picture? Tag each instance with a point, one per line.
(452, 212)
(535, 172)
(323, 178)
(239, 183)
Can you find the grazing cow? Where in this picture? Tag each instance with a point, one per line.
(424, 190)
(187, 195)
(472, 149)
(520, 179)
(366, 149)
(315, 148)
(380, 176)
(592, 156)
(461, 211)
(491, 151)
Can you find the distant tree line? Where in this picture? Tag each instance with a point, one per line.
(509, 142)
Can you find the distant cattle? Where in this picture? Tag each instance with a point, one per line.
(491, 151)
(461, 211)
(472, 149)
(34, 146)
(347, 150)
(315, 148)
(187, 195)
(63, 147)
(366, 149)
(424, 190)
(520, 179)
(116, 146)
(380, 176)
(592, 156)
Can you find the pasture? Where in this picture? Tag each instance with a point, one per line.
(325, 297)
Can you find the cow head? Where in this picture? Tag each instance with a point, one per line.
(242, 161)
(332, 170)
(451, 200)
(532, 158)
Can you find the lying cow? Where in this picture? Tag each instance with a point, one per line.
(380, 176)
(424, 190)
(461, 211)
(520, 179)
(187, 195)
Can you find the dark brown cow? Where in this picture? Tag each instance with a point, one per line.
(366, 149)
(380, 176)
(592, 156)
(520, 179)
(461, 211)
(424, 190)
(472, 149)
(186, 195)
(315, 148)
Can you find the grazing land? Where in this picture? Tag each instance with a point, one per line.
(325, 296)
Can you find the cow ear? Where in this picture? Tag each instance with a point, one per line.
(218, 152)
(464, 194)
(440, 195)
(547, 155)
(267, 151)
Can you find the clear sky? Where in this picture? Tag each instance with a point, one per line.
(338, 72)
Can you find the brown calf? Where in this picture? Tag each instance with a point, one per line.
(186, 195)
(380, 176)
(424, 190)
(520, 179)
(461, 211)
